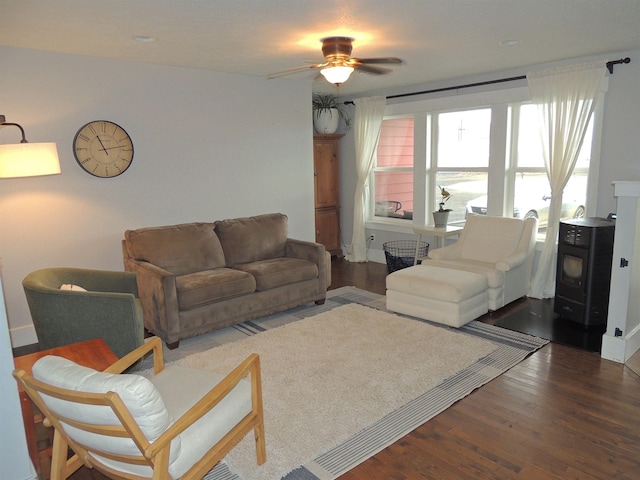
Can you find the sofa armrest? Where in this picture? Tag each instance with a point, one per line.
(159, 298)
(512, 261)
(450, 252)
(314, 252)
(311, 251)
(525, 249)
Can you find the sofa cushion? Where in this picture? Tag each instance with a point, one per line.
(495, 277)
(251, 239)
(494, 238)
(444, 284)
(180, 387)
(276, 272)
(179, 249)
(209, 286)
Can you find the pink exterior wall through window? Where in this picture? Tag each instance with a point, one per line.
(394, 187)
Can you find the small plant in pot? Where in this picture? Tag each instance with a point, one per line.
(441, 216)
(444, 198)
(327, 112)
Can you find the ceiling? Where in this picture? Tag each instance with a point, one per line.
(438, 39)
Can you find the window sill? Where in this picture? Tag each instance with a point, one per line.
(390, 225)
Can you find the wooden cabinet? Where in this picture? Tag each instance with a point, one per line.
(326, 171)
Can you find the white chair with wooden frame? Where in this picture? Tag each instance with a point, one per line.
(176, 425)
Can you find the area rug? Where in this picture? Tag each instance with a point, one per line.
(328, 377)
(508, 348)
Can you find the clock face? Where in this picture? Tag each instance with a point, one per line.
(103, 149)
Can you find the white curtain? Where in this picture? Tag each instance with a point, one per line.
(566, 98)
(366, 129)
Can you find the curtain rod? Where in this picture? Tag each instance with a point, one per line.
(489, 82)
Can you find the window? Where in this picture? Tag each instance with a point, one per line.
(483, 148)
(462, 158)
(532, 194)
(393, 173)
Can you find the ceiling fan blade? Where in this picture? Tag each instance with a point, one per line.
(296, 70)
(373, 70)
(387, 60)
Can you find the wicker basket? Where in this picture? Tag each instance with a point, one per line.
(401, 253)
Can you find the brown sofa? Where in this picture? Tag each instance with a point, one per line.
(197, 277)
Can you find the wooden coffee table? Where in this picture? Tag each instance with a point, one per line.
(95, 354)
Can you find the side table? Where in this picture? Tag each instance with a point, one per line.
(92, 353)
(440, 233)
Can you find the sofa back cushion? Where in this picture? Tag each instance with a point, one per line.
(179, 249)
(489, 239)
(254, 238)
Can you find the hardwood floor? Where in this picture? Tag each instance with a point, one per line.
(561, 413)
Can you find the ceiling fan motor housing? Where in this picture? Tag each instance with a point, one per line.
(337, 49)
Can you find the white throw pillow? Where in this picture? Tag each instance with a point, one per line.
(72, 287)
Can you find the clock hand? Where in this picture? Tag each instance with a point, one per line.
(102, 144)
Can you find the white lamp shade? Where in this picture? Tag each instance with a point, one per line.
(337, 74)
(28, 160)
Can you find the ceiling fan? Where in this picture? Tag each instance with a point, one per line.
(339, 64)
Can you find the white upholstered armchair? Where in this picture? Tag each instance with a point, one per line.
(500, 248)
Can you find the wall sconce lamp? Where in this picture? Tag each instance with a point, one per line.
(337, 74)
(26, 159)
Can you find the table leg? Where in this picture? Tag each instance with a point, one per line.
(415, 257)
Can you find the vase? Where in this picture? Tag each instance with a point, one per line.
(440, 218)
(326, 121)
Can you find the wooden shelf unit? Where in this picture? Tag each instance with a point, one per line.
(326, 171)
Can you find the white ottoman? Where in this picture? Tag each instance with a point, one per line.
(442, 295)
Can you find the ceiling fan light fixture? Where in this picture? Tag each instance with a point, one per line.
(337, 74)
(338, 65)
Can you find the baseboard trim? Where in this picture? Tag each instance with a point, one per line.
(621, 349)
(21, 336)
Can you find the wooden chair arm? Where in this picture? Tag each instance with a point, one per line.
(153, 344)
(250, 365)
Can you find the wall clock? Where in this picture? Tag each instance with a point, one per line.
(103, 149)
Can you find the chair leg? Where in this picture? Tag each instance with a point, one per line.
(261, 450)
(59, 452)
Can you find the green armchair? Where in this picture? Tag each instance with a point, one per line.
(108, 309)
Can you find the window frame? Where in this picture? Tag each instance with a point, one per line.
(501, 172)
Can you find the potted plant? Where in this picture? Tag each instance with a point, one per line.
(327, 112)
(441, 216)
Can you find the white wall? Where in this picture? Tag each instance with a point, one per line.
(620, 153)
(620, 157)
(208, 146)
(14, 455)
